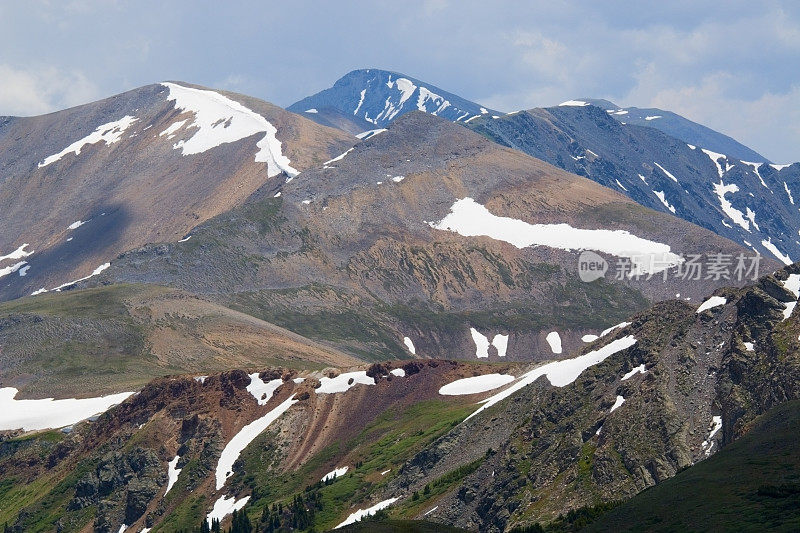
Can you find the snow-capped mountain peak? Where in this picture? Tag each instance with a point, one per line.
(372, 98)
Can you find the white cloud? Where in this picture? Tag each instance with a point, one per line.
(33, 92)
(753, 122)
(515, 55)
(745, 87)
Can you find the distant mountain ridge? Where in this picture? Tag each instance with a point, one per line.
(750, 202)
(679, 127)
(367, 99)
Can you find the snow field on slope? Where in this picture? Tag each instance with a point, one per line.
(713, 301)
(109, 132)
(220, 120)
(245, 436)
(30, 415)
(471, 219)
(475, 384)
(560, 373)
(361, 513)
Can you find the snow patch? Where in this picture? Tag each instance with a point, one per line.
(312, 110)
(95, 272)
(410, 345)
(751, 216)
(662, 197)
(589, 338)
(340, 382)
(360, 101)
(364, 135)
(714, 427)
(667, 172)
(612, 328)
(172, 128)
(361, 513)
(225, 506)
(637, 370)
(749, 346)
(788, 193)
(715, 157)
(338, 157)
(756, 167)
(426, 97)
(481, 343)
(714, 301)
(245, 436)
(720, 189)
(777, 253)
(652, 117)
(475, 384)
(172, 473)
(32, 415)
(500, 342)
(5, 271)
(471, 219)
(574, 103)
(554, 340)
(109, 132)
(617, 404)
(561, 373)
(792, 284)
(19, 253)
(333, 474)
(399, 372)
(261, 390)
(219, 120)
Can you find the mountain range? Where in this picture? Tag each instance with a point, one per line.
(751, 203)
(679, 127)
(374, 306)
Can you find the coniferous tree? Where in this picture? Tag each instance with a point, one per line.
(241, 523)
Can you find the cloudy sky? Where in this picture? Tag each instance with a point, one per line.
(734, 68)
